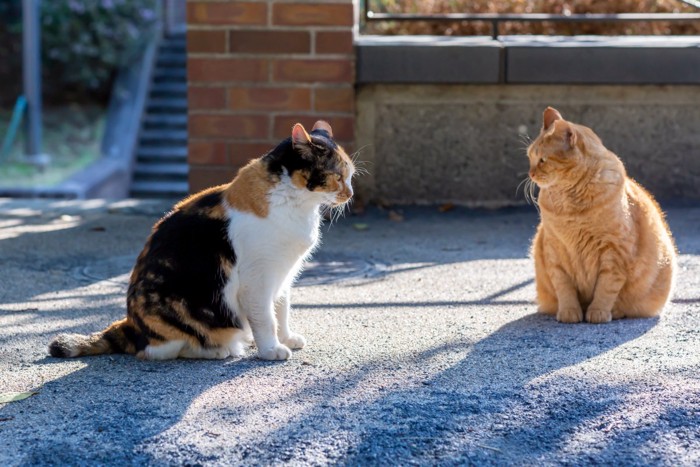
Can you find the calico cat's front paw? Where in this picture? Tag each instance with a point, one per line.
(570, 315)
(598, 315)
(295, 341)
(278, 352)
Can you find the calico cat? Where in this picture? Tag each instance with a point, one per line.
(216, 272)
(602, 250)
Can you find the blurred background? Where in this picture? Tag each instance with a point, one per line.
(84, 45)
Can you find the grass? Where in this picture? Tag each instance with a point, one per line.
(72, 136)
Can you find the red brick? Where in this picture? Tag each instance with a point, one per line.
(228, 126)
(206, 98)
(207, 152)
(246, 98)
(201, 177)
(309, 71)
(334, 99)
(206, 41)
(241, 153)
(328, 42)
(228, 13)
(270, 42)
(343, 127)
(218, 70)
(312, 14)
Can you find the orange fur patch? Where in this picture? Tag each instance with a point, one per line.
(248, 192)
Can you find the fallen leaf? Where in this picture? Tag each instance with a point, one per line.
(446, 207)
(395, 216)
(15, 396)
(360, 226)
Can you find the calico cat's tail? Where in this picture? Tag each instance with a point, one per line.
(117, 338)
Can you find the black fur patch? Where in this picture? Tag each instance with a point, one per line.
(317, 158)
(56, 349)
(183, 264)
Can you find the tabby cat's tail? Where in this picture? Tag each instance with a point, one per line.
(117, 338)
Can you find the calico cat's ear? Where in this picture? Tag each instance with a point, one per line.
(550, 116)
(323, 125)
(299, 135)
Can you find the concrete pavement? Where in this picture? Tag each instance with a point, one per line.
(423, 348)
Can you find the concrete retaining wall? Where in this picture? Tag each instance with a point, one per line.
(434, 143)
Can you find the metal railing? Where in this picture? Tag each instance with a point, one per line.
(497, 18)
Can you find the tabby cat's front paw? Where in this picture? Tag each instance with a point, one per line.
(570, 315)
(278, 352)
(295, 341)
(598, 315)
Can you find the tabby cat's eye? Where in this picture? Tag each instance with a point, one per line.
(543, 160)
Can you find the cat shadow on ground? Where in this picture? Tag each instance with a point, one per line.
(501, 391)
(105, 410)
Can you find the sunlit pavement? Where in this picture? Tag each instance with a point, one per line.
(423, 347)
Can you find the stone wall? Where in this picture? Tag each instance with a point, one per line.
(257, 67)
(466, 143)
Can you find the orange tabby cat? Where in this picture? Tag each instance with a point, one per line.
(603, 249)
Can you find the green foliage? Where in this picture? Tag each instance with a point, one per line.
(85, 41)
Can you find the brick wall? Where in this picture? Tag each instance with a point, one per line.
(257, 67)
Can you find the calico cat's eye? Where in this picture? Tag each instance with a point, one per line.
(337, 177)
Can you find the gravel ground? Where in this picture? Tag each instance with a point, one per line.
(423, 348)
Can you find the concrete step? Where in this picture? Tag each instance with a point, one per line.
(162, 74)
(168, 137)
(173, 47)
(169, 104)
(162, 154)
(172, 60)
(166, 121)
(169, 89)
(175, 40)
(161, 169)
(159, 189)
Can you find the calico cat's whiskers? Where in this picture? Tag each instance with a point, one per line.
(360, 168)
(334, 213)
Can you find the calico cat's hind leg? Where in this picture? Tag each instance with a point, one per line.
(286, 336)
(166, 351)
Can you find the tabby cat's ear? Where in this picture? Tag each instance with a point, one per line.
(565, 131)
(299, 135)
(323, 125)
(550, 116)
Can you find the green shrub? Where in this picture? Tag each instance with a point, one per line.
(85, 41)
(470, 28)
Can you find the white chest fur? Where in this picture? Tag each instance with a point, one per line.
(270, 251)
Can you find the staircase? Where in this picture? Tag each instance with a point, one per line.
(161, 157)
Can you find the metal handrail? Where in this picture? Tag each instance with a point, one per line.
(495, 18)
